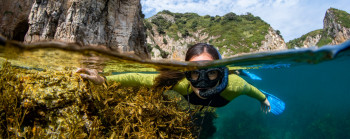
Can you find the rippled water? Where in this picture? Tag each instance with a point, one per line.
(317, 104)
(314, 84)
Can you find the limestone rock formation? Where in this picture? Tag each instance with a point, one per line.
(311, 40)
(336, 30)
(334, 27)
(14, 18)
(116, 24)
(272, 42)
(176, 49)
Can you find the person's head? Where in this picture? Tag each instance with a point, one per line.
(216, 78)
(204, 82)
(202, 51)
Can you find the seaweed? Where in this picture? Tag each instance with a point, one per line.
(60, 104)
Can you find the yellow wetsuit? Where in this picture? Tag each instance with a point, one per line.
(236, 87)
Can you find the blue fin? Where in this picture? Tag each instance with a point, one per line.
(251, 75)
(277, 105)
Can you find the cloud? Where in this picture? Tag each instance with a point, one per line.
(292, 17)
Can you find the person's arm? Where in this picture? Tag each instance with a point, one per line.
(182, 87)
(252, 91)
(238, 86)
(127, 79)
(133, 79)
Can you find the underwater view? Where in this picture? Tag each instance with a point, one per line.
(43, 97)
(193, 69)
(316, 97)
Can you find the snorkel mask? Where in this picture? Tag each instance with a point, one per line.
(205, 81)
(205, 78)
(209, 87)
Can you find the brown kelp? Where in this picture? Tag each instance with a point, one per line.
(59, 104)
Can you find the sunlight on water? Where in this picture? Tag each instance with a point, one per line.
(312, 82)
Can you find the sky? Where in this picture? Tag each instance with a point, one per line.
(293, 18)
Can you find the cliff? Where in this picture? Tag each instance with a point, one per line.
(14, 18)
(170, 34)
(116, 24)
(337, 25)
(336, 30)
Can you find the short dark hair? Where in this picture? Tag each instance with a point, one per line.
(200, 48)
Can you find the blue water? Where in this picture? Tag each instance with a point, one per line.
(317, 104)
(313, 83)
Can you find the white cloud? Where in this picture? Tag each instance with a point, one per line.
(292, 17)
(246, 3)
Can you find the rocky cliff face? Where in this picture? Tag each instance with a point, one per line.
(175, 48)
(336, 30)
(334, 27)
(116, 24)
(272, 42)
(14, 18)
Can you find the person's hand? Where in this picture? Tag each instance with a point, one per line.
(92, 75)
(265, 106)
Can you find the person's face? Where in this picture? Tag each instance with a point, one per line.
(204, 56)
(212, 74)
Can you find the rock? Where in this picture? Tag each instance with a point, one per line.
(334, 29)
(14, 18)
(173, 33)
(272, 42)
(177, 48)
(333, 32)
(116, 24)
(312, 40)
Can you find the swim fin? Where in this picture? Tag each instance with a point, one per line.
(277, 105)
(251, 75)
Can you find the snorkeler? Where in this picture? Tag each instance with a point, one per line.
(207, 87)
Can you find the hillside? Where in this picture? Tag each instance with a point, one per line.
(336, 29)
(170, 34)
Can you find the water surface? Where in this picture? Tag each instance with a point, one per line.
(312, 82)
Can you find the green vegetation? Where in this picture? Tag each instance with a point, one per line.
(240, 33)
(163, 53)
(325, 40)
(343, 18)
(161, 23)
(299, 41)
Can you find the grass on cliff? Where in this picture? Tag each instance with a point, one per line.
(343, 18)
(60, 104)
(239, 33)
(298, 42)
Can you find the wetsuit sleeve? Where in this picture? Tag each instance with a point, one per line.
(133, 79)
(238, 86)
(252, 91)
(182, 87)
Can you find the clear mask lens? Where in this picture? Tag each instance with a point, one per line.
(210, 74)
